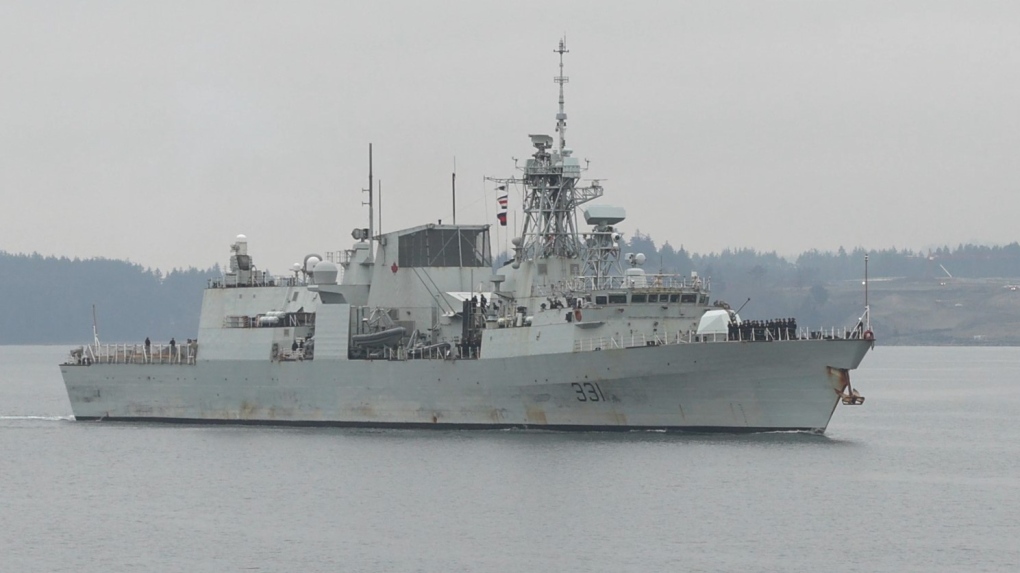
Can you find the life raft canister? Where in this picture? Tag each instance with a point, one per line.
(577, 314)
(868, 335)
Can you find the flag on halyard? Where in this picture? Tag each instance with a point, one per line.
(502, 218)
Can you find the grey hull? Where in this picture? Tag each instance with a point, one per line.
(724, 386)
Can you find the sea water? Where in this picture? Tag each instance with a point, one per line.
(925, 476)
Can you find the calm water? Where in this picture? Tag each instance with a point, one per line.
(924, 477)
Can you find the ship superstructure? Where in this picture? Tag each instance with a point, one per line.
(416, 328)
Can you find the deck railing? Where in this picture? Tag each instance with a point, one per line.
(648, 281)
(184, 353)
(692, 337)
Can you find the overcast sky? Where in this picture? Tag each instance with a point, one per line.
(158, 132)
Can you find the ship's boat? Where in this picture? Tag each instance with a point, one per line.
(386, 337)
(568, 333)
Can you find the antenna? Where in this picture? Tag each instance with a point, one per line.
(371, 192)
(380, 206)
(561, 117)
(95, 328)
(453, 188)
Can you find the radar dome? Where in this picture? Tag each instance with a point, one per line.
(311, 261)
(324, 273)
(241, 238)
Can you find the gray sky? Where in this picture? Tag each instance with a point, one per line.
(157, 133)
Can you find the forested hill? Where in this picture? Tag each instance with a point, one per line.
(964, 261)
(963, 295)
(46, 300)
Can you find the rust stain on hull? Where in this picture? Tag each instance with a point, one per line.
(248, 411)
(839, 377)
(536, 415)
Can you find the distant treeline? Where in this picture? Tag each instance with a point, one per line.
(778, 287)
(965, 261)
(45, 300)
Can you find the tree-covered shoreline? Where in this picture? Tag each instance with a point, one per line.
(48, 300)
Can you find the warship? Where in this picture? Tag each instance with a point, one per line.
(418, 328)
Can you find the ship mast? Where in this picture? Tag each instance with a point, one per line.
(552, 193)
(561, 117)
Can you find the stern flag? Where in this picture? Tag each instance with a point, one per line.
(503, 200)
(502, 218)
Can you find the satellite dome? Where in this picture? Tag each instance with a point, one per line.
(324, 273)
(241, 239)
(311, 261)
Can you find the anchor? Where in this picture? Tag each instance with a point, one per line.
(853, 398)
(844, 389)
(849, 396)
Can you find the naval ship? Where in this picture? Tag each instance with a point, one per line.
(417, 328)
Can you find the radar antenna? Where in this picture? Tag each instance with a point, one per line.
(553, 191)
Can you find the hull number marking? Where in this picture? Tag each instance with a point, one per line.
(588, 392)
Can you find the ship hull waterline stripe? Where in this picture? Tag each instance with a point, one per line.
(448, 426)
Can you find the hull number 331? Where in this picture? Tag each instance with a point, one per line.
(588, 392)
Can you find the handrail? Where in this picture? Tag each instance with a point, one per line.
(689, 337)
(185, 353)
(652, 282)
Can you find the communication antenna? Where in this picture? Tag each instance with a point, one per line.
(453, 188)
(371, 192)
(95, 328)
(561, 117)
